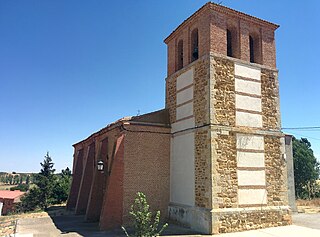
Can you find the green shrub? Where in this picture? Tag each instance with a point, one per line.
(144, 223)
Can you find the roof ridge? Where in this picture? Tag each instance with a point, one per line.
(225, 10)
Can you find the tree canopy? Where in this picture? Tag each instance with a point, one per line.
(306, 168)
(50, 188)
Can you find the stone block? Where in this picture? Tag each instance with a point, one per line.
(185, 79)
(252, 196)
(247, 71)
(249, 87)
(185, 95)
(248, 119)
(250, 159)
(248, 103)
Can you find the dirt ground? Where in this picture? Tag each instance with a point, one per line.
(8, 223)
(57, 216)
(308, 206)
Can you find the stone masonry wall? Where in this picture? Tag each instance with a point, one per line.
(202, 168)
(270, 100)
(225, 170)
(171, 97)
(275, 172)
(224, 93)
(202, 136)
(201, 92)
(252, 219)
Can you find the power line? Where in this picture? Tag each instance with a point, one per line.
(301, 128)
(306, 129)
(306, 136)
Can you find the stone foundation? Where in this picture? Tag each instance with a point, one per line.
(196, 218)
(227, 220)
(241, 219)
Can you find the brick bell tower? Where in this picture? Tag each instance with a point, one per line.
(227, 168)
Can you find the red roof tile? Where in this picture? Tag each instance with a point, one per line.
(10, 194)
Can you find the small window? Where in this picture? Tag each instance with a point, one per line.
(255, 48)
(233, 44)
(180, 55)
(252, 49)
(194, 45)
(229, 44)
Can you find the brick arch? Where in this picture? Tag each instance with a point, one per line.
(233, 41)
(255, 47)
(194, 52)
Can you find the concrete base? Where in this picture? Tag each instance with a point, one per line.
(196, 218)
(226, 220)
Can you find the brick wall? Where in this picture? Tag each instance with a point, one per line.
(99, 180)
(8, 205)
(146, 167)
(112, 209)
(86, 179)
(76, 177)
(212, 22)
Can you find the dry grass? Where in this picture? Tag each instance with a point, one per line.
(311, 203)
(6, 186)
(8, 223)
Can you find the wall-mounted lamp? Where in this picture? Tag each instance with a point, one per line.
(100, 165)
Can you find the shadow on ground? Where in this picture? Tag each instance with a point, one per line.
(75, 225)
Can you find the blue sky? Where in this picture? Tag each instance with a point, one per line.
(68, 68)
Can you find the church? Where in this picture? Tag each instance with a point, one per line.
(214, 158)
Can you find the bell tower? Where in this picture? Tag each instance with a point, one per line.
(227, 168)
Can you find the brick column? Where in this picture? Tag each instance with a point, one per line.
(86, 182)
(112, 209)
(98, 185)
(76, 180)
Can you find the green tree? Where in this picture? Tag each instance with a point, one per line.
(2, 179)
(28, 179)
(145, 223)
(30, 201)
(45, 181)
(49, 188)
(61, 187)
(306, 168)
(21, 187)
(10, 179)
(16, 179)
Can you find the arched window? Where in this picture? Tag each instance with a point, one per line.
(252, 49)
(229, 44)
(194, 45)
(255, 48)
(233, 44)
(180, 55)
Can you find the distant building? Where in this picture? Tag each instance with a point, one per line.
(214, 158)
(8, 200)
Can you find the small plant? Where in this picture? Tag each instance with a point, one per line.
(144, 224)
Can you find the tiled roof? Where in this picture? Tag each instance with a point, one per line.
(156, 117)
(10, 194)
(225, 10)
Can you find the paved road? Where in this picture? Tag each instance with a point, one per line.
(307, 220)
(305, 225)
(74, 225)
